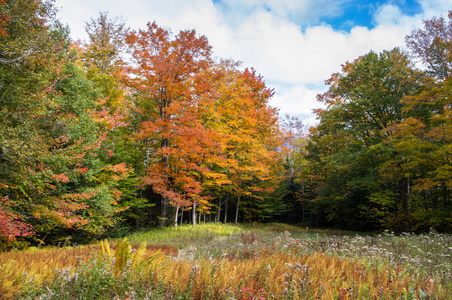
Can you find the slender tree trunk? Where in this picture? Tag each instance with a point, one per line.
(176, 215)
(182, 217)
(226, 205)
(165, 160)
(217, 217)
(238, 205)
(194, 214)
(396, 202)
(164, 207)
(237, 210)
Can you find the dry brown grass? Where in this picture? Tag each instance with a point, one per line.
(249, 269)
(40, 264)
(282, 275)
(270, 275)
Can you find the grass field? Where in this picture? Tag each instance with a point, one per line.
(215, 261)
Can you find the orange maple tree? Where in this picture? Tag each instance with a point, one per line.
(167, 77)
(206, 125)
(249, 133)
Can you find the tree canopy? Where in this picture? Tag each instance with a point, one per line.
(139, 128)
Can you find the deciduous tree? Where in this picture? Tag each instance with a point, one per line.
(165, 75)
(348, 146)
(432, 45)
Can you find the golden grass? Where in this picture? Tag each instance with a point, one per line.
(271, 274)
(320, 276)
(40, 264)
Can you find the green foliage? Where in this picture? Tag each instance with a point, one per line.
(89, 145)
(349, 146)
(379, 156)
(33, 49)
(53, 131)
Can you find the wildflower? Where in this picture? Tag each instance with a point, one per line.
(195, 268)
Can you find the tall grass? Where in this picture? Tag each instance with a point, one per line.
(237, 262)
(283, 275)
(183, 236)
(38, 265)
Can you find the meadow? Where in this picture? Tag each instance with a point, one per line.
(216, 261)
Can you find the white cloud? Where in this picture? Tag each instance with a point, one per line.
(292, 61)
(297, 100)
(175, 14)
(435, 8)
(272, 36)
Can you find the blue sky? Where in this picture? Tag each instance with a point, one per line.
(360, 13)
(295, 44)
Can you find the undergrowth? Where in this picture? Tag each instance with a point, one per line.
(236, 262)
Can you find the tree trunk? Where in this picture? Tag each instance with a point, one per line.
(176, 215)
(237, 210)
(217, 217)
(396, 201)
(165, 160)
(226, 205)
(182, 217)
(164, 207)
(194, 214)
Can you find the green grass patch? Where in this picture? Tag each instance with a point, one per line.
(185, 235)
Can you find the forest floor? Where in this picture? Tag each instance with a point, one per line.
(217, 261)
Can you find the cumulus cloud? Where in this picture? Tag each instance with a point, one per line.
(276, 37)
(175, 14)
(299, 101)
(432, 8)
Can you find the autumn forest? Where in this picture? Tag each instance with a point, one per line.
(135, 129)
